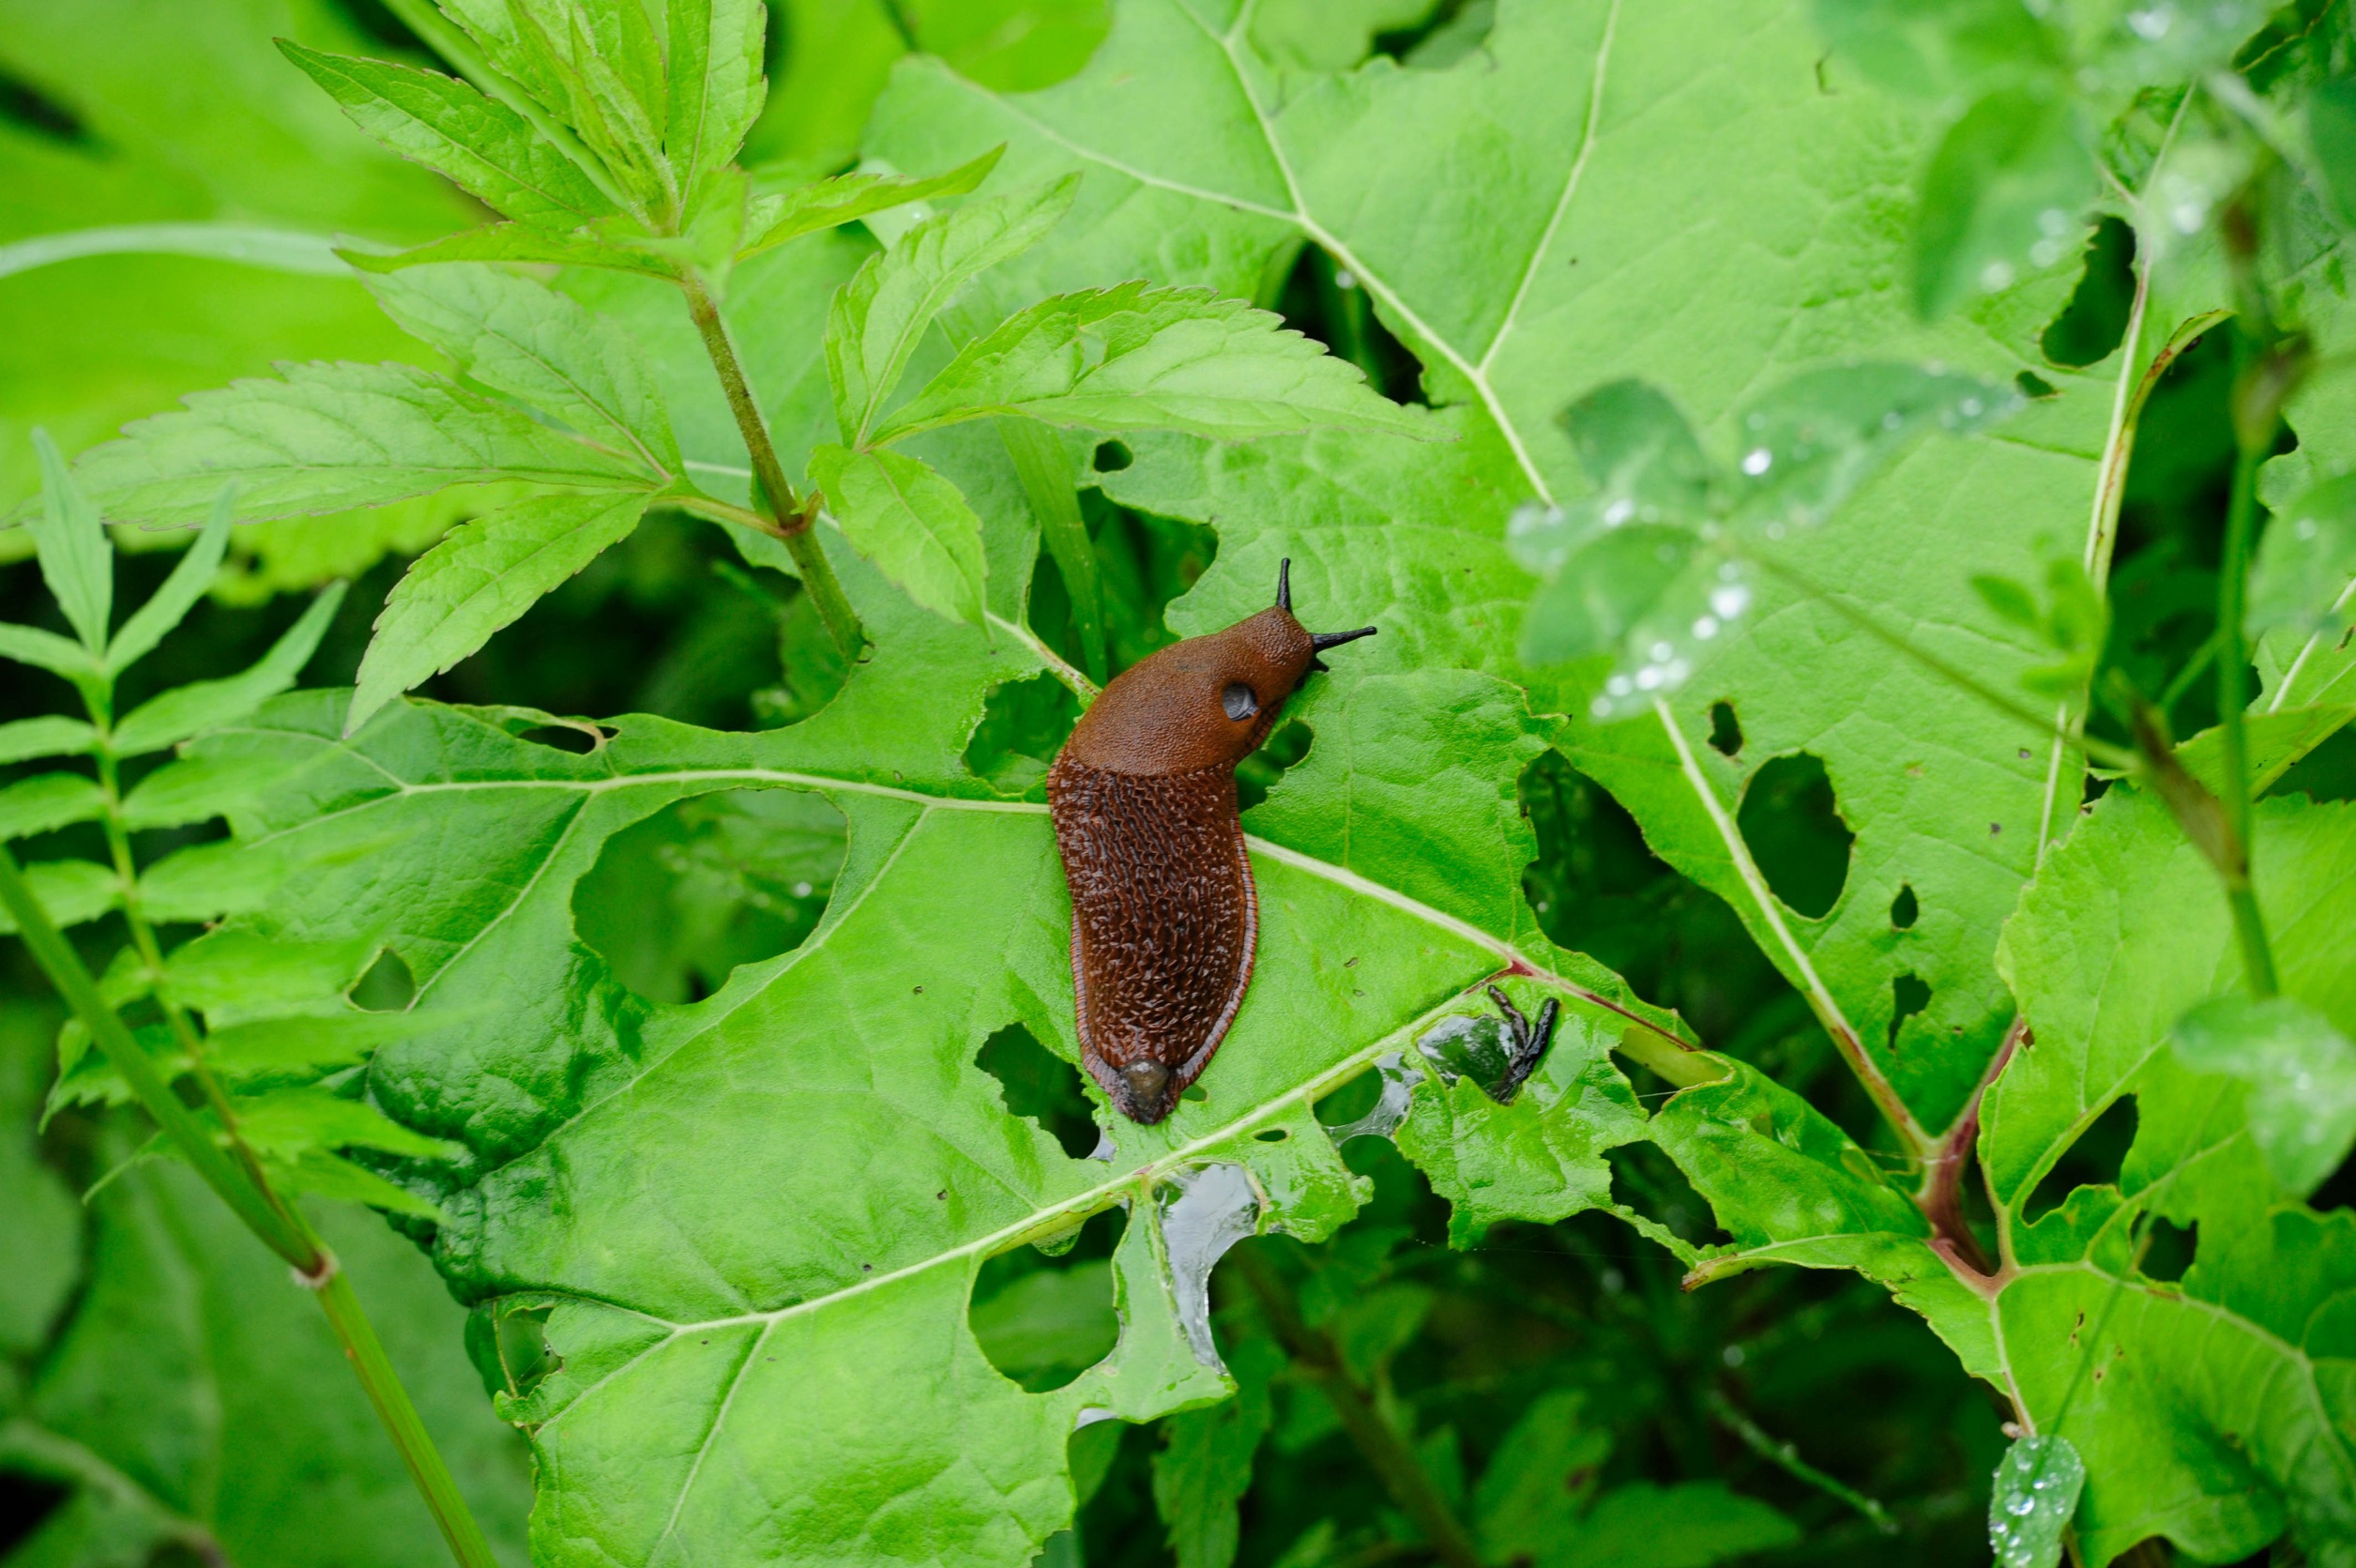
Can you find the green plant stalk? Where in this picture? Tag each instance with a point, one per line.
(1383, 1446)
(143, 936)
(786, 516)
(1784, 1456)
(253, 1202)
(66, 971)
(2233, 577)
(1039, 463)
(384, 1390)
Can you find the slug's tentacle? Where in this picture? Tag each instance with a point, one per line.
(1163, 923)
(1163, 917)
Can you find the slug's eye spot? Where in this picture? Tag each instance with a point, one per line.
(1239, 701)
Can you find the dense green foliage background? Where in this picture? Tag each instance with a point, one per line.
(1561, 1394)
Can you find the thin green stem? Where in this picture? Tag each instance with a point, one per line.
(2232, 661)
(787, 516)
(1786, 1458)
(2103, 751)
(195, 1142)
(1384, 1447)
(434, 1480)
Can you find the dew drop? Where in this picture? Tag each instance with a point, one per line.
(1757, 460)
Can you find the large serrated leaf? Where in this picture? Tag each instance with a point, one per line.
(679, 1387)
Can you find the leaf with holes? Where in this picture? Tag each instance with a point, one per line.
(1587, 244)
(721, 1408)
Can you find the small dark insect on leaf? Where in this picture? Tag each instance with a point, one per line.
(1529, 1043)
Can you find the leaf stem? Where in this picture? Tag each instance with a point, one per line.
(2254, 439)
(1384, 1447)
(383, 1384)
(253, 1202)
(786, 515)
(1784, 1456)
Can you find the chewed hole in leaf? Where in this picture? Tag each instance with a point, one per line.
(1043, 1321)
(2090, 325)
(678, 901)
(1909, 998)
(1905, 909)
(385, 986)
(1725, 730)
(1327, 303)
(1792, 825)
(2092, 1160)
(520, 1339)
(1023, 725)
(2035, 387)
(1041, 1086)
(580, 740)
(2168, 1250)
(1111, 457)
(1257, 774)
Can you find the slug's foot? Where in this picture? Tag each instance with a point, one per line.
(1529, 1042)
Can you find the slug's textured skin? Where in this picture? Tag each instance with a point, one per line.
(1164, 919)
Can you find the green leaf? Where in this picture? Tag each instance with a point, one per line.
(1941, 49)
(2124, 932)
(45, 1240)
(30, 645)
(2307, 562)
(1541, 1477)
(72, 891)
(332, 436)
(2006, 194)
(306, 1043)
(2332, 136)
(170, 605)
(2036, 1490)
(22, 739)
(715, 82)
(487, 148)
(165, 172)
(77, 560)
(173, 717)
(776, 217)
(1813, 442)
(2302, 1073)
(917, 527)
(481, 578)
(1688, 1526)
(518, 335)
(188, 1360)
(1138, 357)
(1203, 1469)
(1539, 1159)
(46, 802)
(877, 321)
(887, 1261)
(287, 1123)
(231, 976)
(207, 881)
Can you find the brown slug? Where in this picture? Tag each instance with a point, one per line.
(1164, 916)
